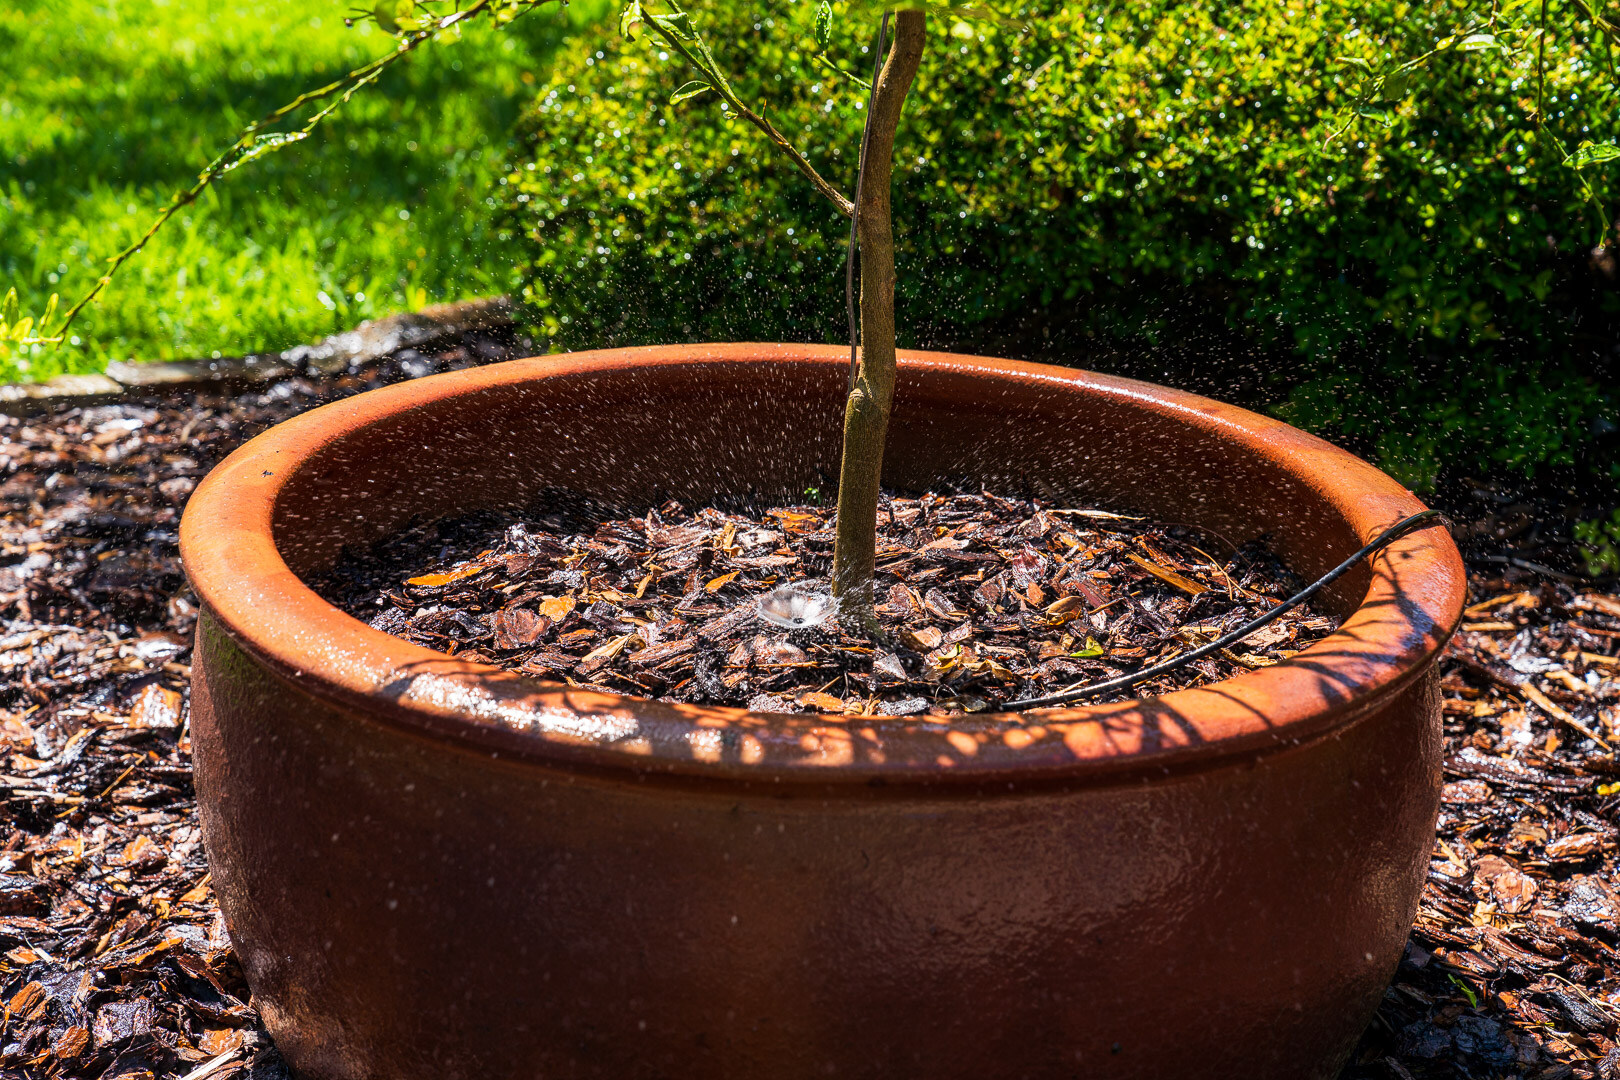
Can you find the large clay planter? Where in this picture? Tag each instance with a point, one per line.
(435, 870)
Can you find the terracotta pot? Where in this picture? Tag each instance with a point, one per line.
(432, 869)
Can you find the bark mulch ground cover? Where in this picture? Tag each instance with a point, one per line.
(982, 599)
(114, 962)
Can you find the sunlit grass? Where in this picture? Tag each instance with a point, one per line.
(106, 108)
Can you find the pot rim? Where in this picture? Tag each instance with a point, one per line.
(1411, 608)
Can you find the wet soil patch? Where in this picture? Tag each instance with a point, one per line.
(115, 963)
(981, 599)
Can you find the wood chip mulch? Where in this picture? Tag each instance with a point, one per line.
(982, 599)
(114, 963)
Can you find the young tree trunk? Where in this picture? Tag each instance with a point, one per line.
(866, 413)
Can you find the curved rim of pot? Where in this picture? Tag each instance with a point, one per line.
(1411, 608)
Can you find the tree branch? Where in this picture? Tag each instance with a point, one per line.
(250, 144)
(696, 52)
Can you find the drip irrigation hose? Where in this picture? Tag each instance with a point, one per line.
(855, 210)
(1125, 682)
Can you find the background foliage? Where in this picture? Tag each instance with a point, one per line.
(1145, 187)
(1250, 199)
(106, 108)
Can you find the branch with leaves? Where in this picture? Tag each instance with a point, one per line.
(17, 329)
(682, 37)
(823, 30)
(1507, 30)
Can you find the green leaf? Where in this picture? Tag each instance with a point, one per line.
(264, 144)
(677, 25)
(384, 15)
(823, 25)
(1590, 153)
(406, 18)
(1091, 649)
(690, 90)
(1355, 61)
(629, 19)
(1397, 85)
(1476, 42)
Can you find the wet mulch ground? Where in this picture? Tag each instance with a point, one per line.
(114, 962)
(981, 599)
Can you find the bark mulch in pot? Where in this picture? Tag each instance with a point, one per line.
(981, 599)
(113, 962)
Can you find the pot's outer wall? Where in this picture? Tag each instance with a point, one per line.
(404, 912)
(431, 869)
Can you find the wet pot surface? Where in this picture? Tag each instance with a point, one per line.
(432, 868)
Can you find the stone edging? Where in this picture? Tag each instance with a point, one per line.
(348, 351)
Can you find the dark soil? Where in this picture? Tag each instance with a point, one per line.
(114, 964)
(114, 960)
(981, 599)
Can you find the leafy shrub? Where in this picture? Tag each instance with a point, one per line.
(1599, 543)
(1118, 182)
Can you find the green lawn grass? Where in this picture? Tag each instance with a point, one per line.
(107, 106)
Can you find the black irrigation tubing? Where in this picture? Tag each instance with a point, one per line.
(855, 209)
(1125, 682)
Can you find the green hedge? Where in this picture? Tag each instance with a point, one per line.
(1146, 187)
